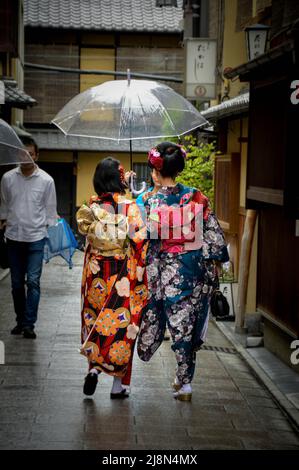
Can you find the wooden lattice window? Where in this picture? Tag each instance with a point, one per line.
(52, 90)
(227, 191)
(162, 60)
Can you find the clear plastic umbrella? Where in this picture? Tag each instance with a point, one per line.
(127, 110)
(12, 151)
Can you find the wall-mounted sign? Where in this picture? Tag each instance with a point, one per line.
(200, 68)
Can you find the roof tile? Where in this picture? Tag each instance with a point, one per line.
(237, 105)
(106, 15)
(16, 97)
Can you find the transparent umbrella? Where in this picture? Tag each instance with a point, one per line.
(12, 151)
(127, 110)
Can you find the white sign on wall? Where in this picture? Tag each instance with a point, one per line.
(200, 68)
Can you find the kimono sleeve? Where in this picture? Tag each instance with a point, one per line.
(140, 204)
(85, 219)
(214, 245)
(137, 234)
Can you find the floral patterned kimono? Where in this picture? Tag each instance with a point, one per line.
(114, 288)
(180, 283)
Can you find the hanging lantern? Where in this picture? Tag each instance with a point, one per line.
(256, 39)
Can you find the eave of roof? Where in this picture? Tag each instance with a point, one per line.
(14, 96)
(48, 139)
(234, 106)
(243, 70)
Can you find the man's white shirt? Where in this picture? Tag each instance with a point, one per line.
(28, 204)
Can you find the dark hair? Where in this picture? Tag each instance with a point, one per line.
(173, 159)
(26, 140)
(106, 178)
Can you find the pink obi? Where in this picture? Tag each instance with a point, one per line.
(179, 227)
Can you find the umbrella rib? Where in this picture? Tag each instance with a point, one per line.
(121, 112)
(169, 119)
(143, 112)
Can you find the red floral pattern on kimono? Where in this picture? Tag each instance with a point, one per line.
(114, 288)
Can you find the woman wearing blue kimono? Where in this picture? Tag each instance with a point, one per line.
(186, 243)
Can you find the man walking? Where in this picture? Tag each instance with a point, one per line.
(27, 207)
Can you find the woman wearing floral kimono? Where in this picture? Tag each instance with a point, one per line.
(114, 288)
(181, 266)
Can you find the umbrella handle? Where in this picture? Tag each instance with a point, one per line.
(135, 191)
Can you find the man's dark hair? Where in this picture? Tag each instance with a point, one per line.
(107, 177)
(29, 141)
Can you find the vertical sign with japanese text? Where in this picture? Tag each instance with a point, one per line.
(200, 69)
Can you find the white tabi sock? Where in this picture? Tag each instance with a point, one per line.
(186, 388)
(117, 386)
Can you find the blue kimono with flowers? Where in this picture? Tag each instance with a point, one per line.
(180, 282)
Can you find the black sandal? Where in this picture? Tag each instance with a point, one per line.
(90, 383)
(121, 395)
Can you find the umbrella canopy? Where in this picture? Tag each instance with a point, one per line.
(128, 110)
(12, 150)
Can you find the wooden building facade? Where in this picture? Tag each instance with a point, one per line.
(272, 190)
(271, 177)
(256, 168)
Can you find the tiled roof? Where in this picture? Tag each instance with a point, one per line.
(15, 97)
(53, 140)
(105, 15)
(237, 105)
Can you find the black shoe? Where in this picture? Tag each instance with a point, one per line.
(90, 383)
(121, 395)
(226, 318)
(29, 333)
(17, 330)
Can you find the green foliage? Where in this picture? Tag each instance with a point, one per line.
(199, 168)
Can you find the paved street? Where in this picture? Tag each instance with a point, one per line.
(42, 405)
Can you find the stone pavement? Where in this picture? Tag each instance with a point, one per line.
(279, 379)
(42, 405)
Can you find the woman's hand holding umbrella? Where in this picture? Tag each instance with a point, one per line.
(128, 175)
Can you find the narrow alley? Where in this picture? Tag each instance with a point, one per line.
(42, 405)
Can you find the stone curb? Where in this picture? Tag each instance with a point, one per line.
(281, 399)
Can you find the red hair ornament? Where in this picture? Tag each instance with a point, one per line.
(122, 174)
(154, 157)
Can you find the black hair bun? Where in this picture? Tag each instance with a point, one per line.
(173, 159)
